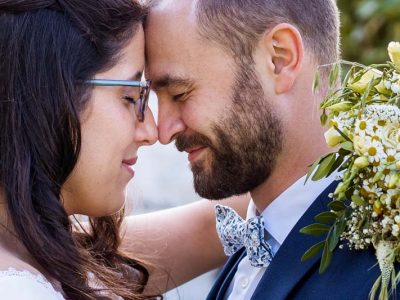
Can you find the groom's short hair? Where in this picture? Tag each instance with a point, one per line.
(237, 25)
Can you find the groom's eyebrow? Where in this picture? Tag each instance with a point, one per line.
(170, 81)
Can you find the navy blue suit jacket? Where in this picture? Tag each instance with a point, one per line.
(350, 275)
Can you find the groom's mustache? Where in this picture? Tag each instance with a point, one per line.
(183, 142)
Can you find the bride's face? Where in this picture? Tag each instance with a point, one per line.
(111, 136)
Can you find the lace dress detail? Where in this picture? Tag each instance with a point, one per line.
(23, 285)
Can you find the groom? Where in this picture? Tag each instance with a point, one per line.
(233, 79)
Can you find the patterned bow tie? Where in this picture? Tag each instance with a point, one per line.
(234, 233)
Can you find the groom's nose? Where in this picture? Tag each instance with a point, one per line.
(170, 123)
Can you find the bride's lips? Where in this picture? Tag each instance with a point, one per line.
(195, 152)
(127, 163)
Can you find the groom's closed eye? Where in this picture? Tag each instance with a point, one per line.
(180, 97)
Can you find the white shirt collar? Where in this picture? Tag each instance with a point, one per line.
(278, 219)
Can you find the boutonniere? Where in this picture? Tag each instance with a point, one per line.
(363, 119)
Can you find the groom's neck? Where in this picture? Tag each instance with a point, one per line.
(276, 184)
(288, 169)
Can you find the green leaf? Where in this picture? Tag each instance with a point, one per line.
(333, 240)
(325, 260)
(349, 192)
(366, 93)
(311, 170)
(323, 118)
(317, 79)
(348, 75)
(334, 74)
(337, 231)
(314, 165)
(358, 75)
(345, 165)
(326, 217)
(324, 167)
(347, 146)
(338, 162)
(337, 205)
(341, 225)
(312, 251)
(315, 229)
(344, 152)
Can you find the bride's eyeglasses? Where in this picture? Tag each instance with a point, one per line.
(141, 97)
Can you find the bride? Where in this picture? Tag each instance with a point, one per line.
(72, 117)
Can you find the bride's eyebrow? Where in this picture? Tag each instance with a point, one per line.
(137, 76)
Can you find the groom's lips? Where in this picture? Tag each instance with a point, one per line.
(194, 152)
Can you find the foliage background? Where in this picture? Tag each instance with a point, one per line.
(367, 28)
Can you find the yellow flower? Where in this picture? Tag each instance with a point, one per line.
(361, 162)
(394, 52)
(394, 181)
(390, 136)
(359, 143)
(333, 137)
(361, 85)
(381, 88)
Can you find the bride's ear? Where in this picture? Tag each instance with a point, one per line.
(285, 49)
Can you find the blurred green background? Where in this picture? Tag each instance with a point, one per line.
(367, 28)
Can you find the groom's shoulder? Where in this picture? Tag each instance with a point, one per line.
(350, 275)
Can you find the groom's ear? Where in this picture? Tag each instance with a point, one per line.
(285, 49)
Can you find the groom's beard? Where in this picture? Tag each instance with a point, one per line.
(247, 143)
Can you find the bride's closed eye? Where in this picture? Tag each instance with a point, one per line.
(130, 99)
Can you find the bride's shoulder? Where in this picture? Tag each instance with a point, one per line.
(23, 284)
(20, 281)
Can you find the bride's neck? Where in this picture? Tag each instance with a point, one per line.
(12, 246)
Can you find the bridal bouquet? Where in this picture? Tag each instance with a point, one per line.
(363, 117)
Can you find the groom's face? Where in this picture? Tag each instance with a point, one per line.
(211, 105)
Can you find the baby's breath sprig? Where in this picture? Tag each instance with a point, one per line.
(363, 118)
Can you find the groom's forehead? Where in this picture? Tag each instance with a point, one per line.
(172, 43)
(172, 4)
(169, 29)
(173, 11)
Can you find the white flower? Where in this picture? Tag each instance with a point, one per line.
(395, 88)
(392, 156)
(397, 219)
(387, 84)
(390, 135)
(375, 151)
(363, 126)
(382, 112)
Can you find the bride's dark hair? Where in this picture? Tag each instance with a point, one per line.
(47, 49)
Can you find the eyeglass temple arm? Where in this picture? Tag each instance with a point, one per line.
(105, 82)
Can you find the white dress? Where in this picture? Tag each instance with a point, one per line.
(23, 285)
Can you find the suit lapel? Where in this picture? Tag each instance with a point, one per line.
(286, 269)
(225, 277)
